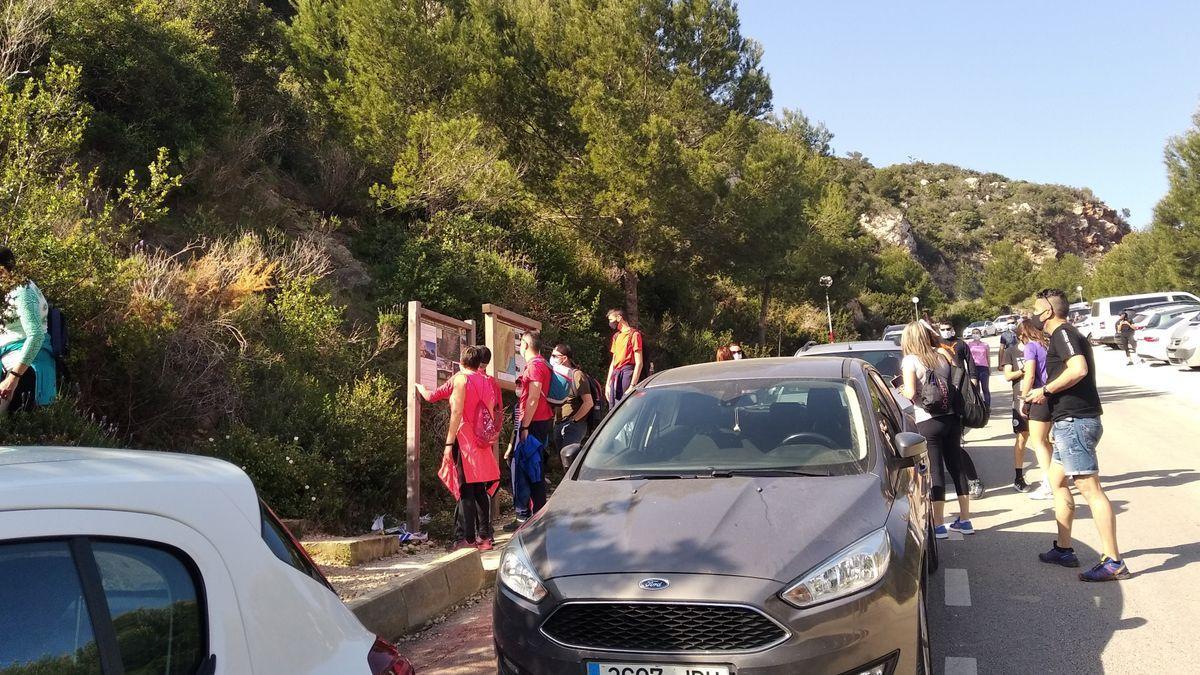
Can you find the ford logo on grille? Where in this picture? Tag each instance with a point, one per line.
(654, 584)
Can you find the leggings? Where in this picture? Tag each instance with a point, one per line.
(473, 512)
(984, 375)
(943, 435)
(24, 396)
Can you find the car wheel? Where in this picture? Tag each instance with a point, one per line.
(924, 650)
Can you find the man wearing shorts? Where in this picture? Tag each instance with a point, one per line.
(1012, 367)
(1075, 410)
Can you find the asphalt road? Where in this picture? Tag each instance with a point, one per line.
(994, 607)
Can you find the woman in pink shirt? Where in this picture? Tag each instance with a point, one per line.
(475, 421)
(981, 354)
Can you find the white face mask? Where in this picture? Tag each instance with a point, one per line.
(737, 356)
(556, 360)
(947, 334)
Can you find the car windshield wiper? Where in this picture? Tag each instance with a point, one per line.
(646, 476)
(730, 473)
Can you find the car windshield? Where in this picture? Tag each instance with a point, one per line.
(977, 324)
(702, 429)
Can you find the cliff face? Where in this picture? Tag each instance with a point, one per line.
(948, 216)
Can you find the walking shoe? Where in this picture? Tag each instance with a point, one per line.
(1044, 491)
(485, 545)
(512, 527)
(1021, 486)
(1106, 570)
(1060, 556)
(962, 526)
(940, 532)
(975, 488)
(461, 544)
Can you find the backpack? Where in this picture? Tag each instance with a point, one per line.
(937, 397)
(599, 403)
(56, 325)
(562, 385)
(487, 427)
(969, 403)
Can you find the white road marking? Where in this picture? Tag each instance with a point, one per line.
(958, 588)
(957, 665)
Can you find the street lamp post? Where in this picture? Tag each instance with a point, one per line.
(827, 281)
(916, 301)
(1079, 290)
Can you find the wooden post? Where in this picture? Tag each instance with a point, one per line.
(413, 419)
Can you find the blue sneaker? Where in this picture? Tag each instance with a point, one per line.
(1106, 570)
(1060, 556)
(940, 532)
(962, 526)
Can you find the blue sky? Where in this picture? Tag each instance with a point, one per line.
(1059, 91)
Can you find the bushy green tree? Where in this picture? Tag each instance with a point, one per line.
(1178, 213)
(1008, 276)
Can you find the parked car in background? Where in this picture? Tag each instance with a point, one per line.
(1153, 342)
(1106, 311)
(991, 326)
(981, 327)
(119, 561)
(1079, 313)
(1006, 322)
(730, 518)
(883, 355)
(893, 332)
(1184, 349)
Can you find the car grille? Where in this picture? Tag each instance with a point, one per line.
(662, 627)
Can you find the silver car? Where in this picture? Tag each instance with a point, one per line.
(758, 517)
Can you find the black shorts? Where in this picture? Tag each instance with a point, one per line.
(1039, 412)
(1020, 424)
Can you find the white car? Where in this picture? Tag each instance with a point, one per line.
(119, 561)
(1106, 311)
(1184, 349)
(1154, 342)
(991, 328)
(1006, 322)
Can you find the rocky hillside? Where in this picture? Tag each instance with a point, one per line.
(948, 216)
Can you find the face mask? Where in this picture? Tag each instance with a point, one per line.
(556, 360)
(614, 324)
(737, 356)
(1038, 321)
(947, 334)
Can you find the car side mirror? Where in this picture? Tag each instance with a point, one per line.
(570, 452)
(910, 446)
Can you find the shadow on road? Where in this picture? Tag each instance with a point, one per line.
(1124, 392)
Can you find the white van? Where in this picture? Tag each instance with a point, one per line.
(1103, 324)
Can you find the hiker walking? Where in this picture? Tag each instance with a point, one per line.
(625, 369)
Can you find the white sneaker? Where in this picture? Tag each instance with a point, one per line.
(1044, 491)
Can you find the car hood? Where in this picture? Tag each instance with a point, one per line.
(769, 528)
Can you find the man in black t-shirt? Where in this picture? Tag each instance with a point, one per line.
(1075, 409)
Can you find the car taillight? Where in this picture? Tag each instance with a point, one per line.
(385, 659)
(1149, 338)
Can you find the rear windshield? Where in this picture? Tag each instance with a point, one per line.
(1117, 306)
(808, 426)
(886, 361)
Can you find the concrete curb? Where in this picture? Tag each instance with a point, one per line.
(353, 551)
(421, 597)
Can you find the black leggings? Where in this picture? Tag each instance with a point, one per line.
(25, 396)
(943, 436)
(473, 513)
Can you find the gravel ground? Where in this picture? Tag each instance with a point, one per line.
(353, 582)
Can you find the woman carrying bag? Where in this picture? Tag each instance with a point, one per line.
(475, 421)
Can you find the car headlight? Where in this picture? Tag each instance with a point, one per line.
(854, 568)
(516, 573)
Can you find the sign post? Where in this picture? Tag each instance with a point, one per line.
(435, 344)
(502, 331)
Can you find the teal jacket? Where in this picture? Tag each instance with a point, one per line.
(24, 338)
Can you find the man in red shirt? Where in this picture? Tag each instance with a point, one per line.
(625, 370)
(535, 418)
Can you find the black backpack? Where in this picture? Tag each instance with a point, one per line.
(937, 395)
(969, 403)
(599, 404)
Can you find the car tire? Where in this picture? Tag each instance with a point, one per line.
(924, 648)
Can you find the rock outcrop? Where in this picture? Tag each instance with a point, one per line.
(890, 227)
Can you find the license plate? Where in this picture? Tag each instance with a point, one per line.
(654, 669)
